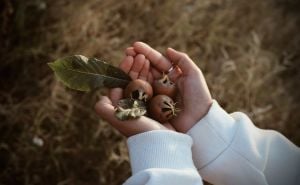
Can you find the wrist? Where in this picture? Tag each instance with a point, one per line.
(192, 119)
(203, 111)
(212, 135)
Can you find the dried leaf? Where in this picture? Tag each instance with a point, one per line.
(83, 74)
(130, 109)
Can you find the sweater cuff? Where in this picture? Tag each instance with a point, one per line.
(160, 149)
(212, 135)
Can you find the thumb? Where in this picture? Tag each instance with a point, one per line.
(182, 60)
(105, 109)
(115, 94)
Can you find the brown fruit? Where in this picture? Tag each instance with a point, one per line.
(164, 86)
(139, 89)
(162, 108)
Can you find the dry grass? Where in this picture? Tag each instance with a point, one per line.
(249, 52)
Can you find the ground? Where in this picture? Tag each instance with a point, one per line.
(248, 51)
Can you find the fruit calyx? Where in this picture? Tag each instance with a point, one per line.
(139, 94)
(162, 108)
(166, 80)
(165, 86)
(139, 90)
(127, 109)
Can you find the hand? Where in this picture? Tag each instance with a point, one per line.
(194, 97)
(136, 67)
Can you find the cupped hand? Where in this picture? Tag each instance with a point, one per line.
(194, 97)
(136, 66)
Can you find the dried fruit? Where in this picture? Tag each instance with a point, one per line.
(130, 109)
(139, 89)
(164, 86)
(162, 108)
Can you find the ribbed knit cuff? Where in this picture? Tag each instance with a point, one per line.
(212, 135)
(160, 149)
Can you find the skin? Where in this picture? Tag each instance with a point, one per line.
(143, 62)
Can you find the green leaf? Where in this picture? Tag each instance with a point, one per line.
(81, 73)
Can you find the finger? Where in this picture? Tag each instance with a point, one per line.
(150, 78)
(183, 61)
(106, 111)
(137, 66)
(130, 52)
(115, 95)
(175, 74)
(126, 64)
(155, 73)
(145, 70)
(155, 57)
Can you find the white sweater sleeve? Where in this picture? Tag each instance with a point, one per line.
(162, 157)
(229, 149)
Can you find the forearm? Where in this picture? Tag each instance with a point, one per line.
(162, 157)
(229, 149)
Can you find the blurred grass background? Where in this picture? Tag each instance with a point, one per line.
(249, 52)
